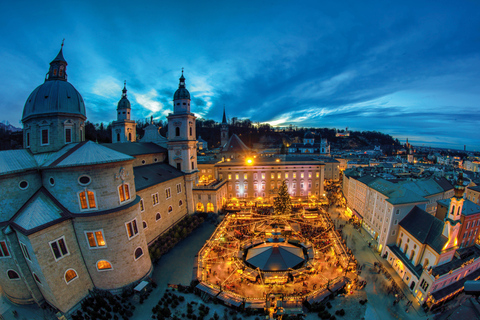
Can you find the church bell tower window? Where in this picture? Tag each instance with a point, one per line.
(177, 131)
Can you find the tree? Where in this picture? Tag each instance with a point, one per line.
(282, 204)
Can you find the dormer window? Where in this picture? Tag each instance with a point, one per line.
(55, 72)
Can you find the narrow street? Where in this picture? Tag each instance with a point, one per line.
(380, 303)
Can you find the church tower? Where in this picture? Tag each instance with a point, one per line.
(182, 140)
(224, 130)
(452, 221)
(124, 129)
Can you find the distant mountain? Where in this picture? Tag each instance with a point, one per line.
(5, 126)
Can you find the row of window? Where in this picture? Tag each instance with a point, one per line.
(272, 175)
(88, 201)
(45, 140)
(168, 195)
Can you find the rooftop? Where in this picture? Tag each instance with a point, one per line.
(152, 174)
(137, 148)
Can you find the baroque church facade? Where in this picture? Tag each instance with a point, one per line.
(78, 215)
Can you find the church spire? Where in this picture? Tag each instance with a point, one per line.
(58, 67)
(224, 120)
(124, 91)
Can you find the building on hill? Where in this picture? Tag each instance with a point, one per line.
(309, 146)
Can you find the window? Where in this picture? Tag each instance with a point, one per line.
(28, 139)
(124, 192)
(395, 221)
(229, 177)
(4, 250)
(317, 174)
(286, 175)
(168, 194)
(84, 180)
(279, 175)
(52, 181)
(138, 253)
(424, 285)
(236, 176)
(13, 275)
(70, 275)
(23, 185)
(155, 198)
(294, 175)
(96, 239)
(68, 135)
(180, 203)
(179, 188)
(245, 176)
(177, 131)
(142, 206)
(104, 265)
(37, 278)
(145, 224)
(272, 175)
(245, 187)
(44, 137)
(170, 209)
(398, 211)
(87, 199)
(132, 229)
(59, 248)
(158, 216)
(25, 251)
(301, 175)
(179, 166)
(309, 174)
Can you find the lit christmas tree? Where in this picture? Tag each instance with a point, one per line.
(282, 204)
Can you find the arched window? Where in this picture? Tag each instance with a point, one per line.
(104, 265)
(180, 203)
(400, 243)
(191, 131)
(124, 192)
(406, 249)
(210, 207)
(145, 225)
(170, 209)
(37, 278)
(425, 263)
(54, 72)
(13, 275)
(118, 137)
(177, 131)
(70, 275)
(138, 253)
(129, 136)
(453, 210)
(87, 199)
(158, 216)
(412, 255)
(200, 207)
(61, 71)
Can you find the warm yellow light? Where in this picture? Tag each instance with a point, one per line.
(249, 161)
(277, 160)
(228, 159)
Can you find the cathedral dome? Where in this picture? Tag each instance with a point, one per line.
(54, 97)
(182, 92)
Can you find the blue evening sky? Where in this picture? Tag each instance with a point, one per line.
(410, 69)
